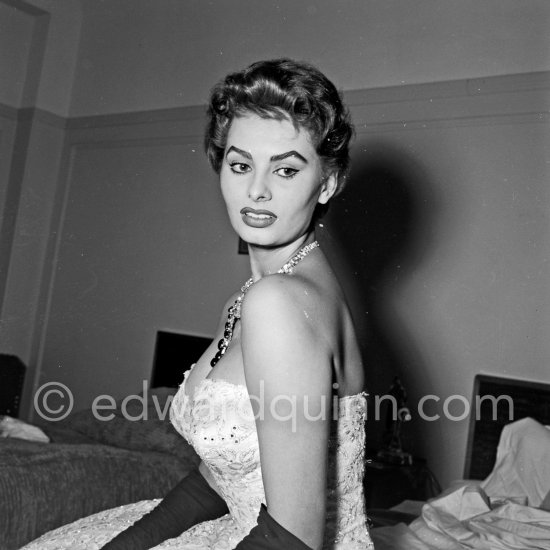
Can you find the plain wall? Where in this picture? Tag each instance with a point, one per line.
(60, 55)
(16, 28)
(442, 241)
(446, 227)
(130, 55)
(30, 269)
(143, 245)
(31, 148)
(119, 230)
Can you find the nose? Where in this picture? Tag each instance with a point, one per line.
(258, 190)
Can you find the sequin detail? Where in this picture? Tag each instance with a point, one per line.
(218, 421)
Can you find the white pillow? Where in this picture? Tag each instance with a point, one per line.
(522, 467)
(13, 427)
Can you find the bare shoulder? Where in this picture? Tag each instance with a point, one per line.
(284, 295)
(283, 337)
(290, 302)
(288, 376)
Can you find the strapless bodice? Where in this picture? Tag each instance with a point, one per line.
(218, 421)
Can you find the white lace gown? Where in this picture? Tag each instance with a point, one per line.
(218, 421)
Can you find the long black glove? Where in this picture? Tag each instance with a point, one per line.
(270, 535)
(190, 502)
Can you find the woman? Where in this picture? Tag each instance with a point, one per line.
(275, 408)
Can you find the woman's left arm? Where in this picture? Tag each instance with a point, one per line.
(288, 375)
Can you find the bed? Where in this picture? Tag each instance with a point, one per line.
(504, 500)
(90, 465)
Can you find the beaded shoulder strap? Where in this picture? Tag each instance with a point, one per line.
(234, 312)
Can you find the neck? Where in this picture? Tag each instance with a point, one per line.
(265, 261)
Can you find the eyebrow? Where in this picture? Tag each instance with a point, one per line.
(274, 158)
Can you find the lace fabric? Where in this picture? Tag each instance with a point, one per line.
(219, 422)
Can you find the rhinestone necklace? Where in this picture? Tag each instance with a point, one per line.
(234, 312)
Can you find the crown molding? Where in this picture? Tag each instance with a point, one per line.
(191, 113)
(450, 88)
(374, 109)
(518, 97)
(32, 114)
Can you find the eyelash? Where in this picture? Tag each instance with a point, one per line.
(293, 171)
(241, 164)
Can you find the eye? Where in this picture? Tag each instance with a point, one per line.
(239, 167)
(287, 172)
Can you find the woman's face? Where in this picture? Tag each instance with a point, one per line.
(271, 180)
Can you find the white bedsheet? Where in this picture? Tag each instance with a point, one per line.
(502, 513)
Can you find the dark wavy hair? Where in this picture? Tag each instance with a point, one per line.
(283, 89)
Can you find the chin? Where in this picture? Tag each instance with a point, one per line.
(265, 240)
(268, 237)
(256, 241)
(254, 236)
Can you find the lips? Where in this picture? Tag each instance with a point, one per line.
(257, 218)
